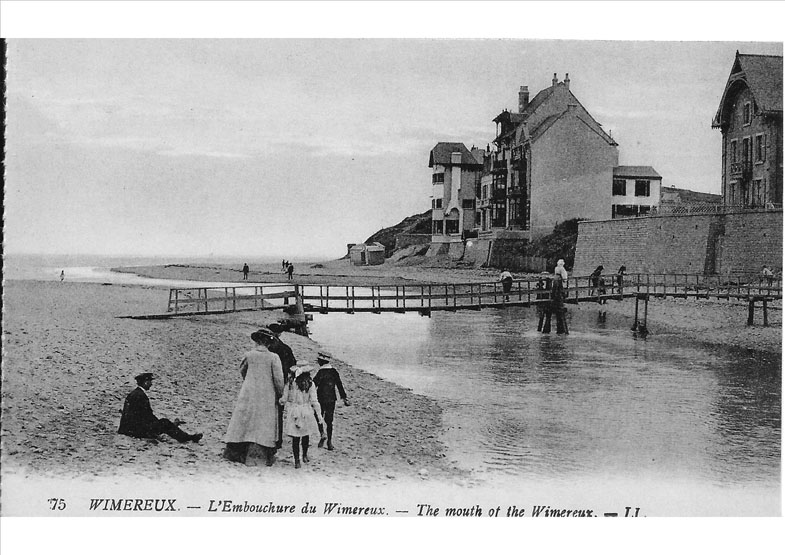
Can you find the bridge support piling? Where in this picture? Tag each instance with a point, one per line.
(638, 324)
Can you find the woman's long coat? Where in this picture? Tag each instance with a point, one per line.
(255, 416)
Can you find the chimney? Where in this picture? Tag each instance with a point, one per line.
(523, 98)
(567, 80)
(555, 80)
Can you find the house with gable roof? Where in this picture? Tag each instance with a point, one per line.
(750, 119)
(551, 162)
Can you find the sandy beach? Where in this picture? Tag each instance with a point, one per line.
(69, 361)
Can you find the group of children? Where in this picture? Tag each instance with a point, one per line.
(309, 405)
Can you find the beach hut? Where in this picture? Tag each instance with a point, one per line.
(367, 255)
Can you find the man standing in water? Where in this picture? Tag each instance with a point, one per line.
(326, 380)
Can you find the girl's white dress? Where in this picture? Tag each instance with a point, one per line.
(299, 419)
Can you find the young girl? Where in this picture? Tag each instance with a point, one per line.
(301, 410)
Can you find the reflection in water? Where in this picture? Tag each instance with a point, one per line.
(596, 402)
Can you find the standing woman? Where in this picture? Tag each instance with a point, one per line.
(255, 416)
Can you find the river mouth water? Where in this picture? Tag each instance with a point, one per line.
(597, 402)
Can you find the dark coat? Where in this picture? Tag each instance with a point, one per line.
(286, 355)
(138, 419)
(326, 380)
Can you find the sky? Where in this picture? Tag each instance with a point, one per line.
(295, 147)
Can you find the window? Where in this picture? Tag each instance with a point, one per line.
(438, 177)
(437, 203)
(620, 187)
(757, 193)
(746, 150)
(747, 113)
(467, 203)
(628, 210)
(437, 227)
(760, 148)
(451, 226)
(734, 156)
(642, 188)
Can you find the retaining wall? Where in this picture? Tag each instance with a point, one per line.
(694, 243)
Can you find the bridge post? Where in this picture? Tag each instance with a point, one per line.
(765, 312)
(750, 311)
(635, 319)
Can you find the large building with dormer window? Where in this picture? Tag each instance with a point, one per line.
(750, 118)
(551, 162)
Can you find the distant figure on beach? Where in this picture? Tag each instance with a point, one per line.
(302, 413)
(767, 275)
(283, 265)
(327, 379)
(288, 361)
(506, 278)
(139, 421)
(620, 278)
(255, 416)
(245, 271)
(62, 275)
(290, 270)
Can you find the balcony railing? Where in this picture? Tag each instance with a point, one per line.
(744, 169)
(500, 165)
(710, 208)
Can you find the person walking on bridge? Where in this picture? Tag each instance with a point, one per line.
(506, 279)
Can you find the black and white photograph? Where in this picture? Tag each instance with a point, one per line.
(464, 277)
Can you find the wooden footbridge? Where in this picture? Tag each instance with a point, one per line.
(428, 297)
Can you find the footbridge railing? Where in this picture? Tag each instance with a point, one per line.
(427, 297)
(216, 300)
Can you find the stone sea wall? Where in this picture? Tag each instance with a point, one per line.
(699, 243)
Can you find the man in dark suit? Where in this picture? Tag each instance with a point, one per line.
(139, 421)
